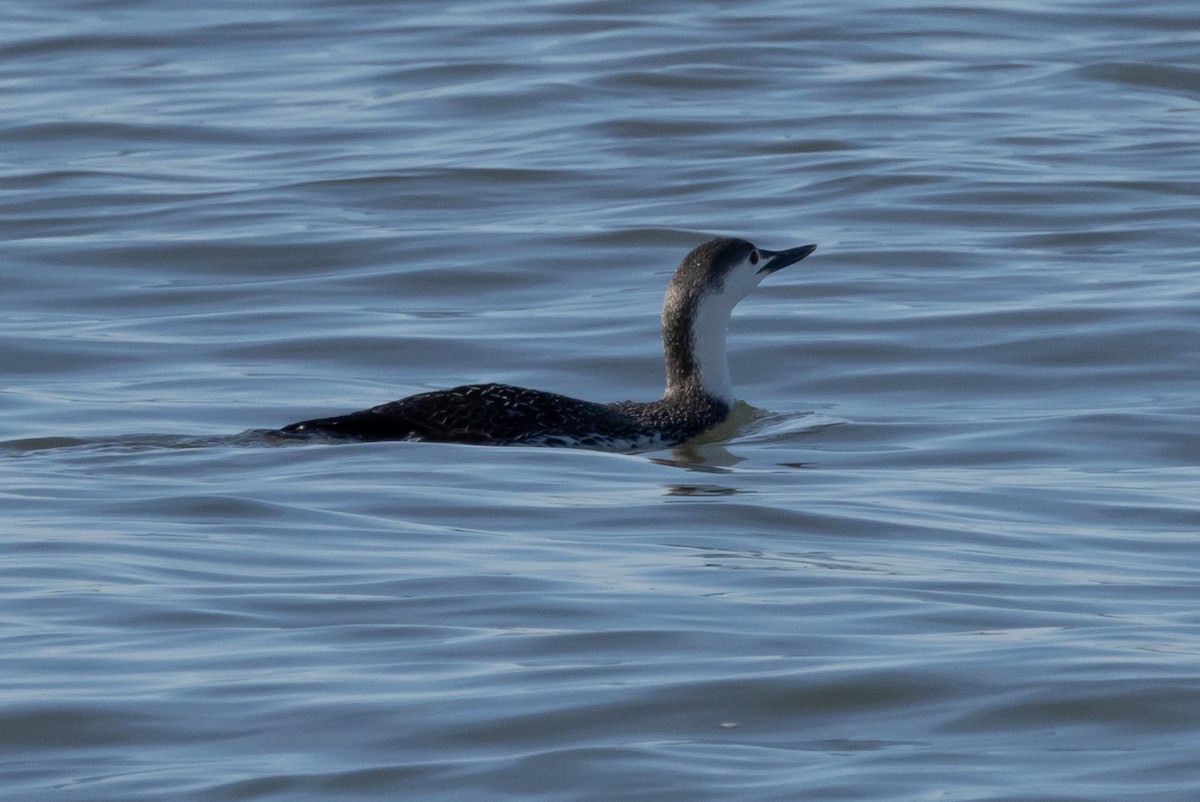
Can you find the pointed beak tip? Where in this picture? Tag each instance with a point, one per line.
(781, 259)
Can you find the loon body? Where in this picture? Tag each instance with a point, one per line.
(700, 297)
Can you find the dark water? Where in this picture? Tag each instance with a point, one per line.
(950, 552)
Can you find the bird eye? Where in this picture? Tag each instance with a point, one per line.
(753, 257)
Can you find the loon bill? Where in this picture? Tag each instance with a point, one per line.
(700, 297)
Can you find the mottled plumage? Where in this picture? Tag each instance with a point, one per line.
(500, 414)
(702, 293)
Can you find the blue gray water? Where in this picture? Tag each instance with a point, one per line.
(948, 550)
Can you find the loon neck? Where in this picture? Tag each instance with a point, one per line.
(694, 329)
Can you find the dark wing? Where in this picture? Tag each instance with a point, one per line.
(475, 413)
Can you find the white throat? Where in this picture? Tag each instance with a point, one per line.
(708, 344)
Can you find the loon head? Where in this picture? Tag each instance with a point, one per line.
(706, 286)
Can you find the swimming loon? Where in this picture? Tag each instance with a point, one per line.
(700, 297)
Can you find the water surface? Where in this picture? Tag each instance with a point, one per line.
(948, 550)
